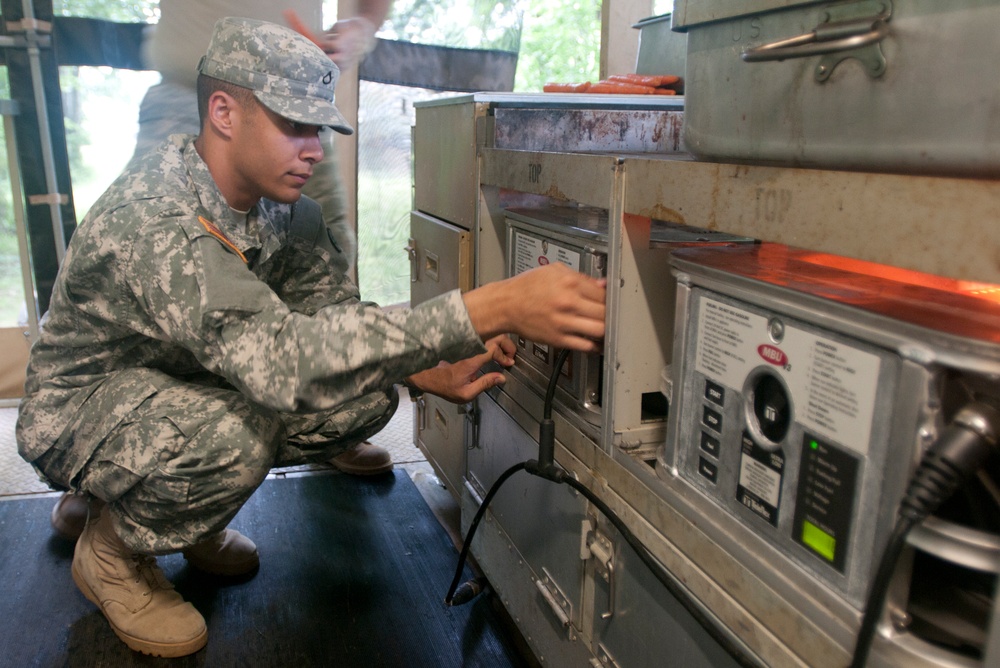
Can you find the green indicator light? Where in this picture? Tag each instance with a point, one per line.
(813, 444)
(819, 540)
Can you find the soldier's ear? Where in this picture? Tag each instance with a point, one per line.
(222, 113)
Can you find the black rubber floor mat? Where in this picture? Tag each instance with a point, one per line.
(353, 573)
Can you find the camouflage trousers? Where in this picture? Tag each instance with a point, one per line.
(179, 466)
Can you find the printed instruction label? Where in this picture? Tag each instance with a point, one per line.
(759, 485)
(531, 252)
(832, 385)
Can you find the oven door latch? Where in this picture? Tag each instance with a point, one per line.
(595, 544)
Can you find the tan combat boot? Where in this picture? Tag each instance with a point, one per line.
(364, 459)
(69, 515)
(227, 552)
(132, 592)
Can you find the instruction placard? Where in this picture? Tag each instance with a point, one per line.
(531, 252)
(833, 385)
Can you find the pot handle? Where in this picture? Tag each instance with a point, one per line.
(825, 38)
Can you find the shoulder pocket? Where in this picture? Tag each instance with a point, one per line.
(225, 281)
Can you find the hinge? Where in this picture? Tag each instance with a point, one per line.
(558, 602)
(603, 658)
(471, 412)
(411, 255)
(595, 544)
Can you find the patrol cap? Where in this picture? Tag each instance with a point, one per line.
(287, 73)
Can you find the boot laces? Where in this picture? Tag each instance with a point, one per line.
(146, 569)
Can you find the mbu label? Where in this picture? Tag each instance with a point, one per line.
(759, 486)
(531, 252)
(833, 384)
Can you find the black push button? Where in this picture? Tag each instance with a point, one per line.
(709, 470)
(715, 393)
(710, 445)
(712, 419)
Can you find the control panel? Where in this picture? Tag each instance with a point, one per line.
(784, 427)
(576, 237)
(805, 388)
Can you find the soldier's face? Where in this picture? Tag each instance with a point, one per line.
(275, 156)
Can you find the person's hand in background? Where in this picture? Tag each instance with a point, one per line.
(346, 41)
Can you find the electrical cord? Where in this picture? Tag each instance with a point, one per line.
(467, 591)
(957, 454)
(546, 467)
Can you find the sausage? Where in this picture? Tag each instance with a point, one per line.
(566, 87)
(618, 88)
(651, 80)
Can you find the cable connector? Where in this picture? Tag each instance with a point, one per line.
(545, 466)
(466, 591)
(959, 452)
(962, 448)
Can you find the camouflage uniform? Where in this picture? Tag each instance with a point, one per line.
(187, 350)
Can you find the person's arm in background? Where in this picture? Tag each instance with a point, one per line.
(349, 39)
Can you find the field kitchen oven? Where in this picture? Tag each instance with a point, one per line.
(783, 345)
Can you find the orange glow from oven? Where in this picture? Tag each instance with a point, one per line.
(987, 291)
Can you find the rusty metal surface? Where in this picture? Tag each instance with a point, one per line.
(589, 130)
(943, 226)
(586, 179)
(938, 225)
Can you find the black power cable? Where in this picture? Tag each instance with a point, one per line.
(468, 590)
(546, 467)
(958, 453)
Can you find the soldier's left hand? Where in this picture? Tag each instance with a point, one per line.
(461, 382)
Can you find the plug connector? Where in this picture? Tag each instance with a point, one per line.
(957, 454)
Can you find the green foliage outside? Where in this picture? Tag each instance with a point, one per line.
(11, 287)
(83, 171)
(102, 83)
(475, 24)
(561, 42)
(557, 40)
(144, 11)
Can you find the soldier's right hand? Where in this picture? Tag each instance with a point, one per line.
(552, 304)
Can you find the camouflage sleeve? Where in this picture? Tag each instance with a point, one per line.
(201, 296)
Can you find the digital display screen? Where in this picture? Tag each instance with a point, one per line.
(823, 543)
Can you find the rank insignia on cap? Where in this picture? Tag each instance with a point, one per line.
(218, 234)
